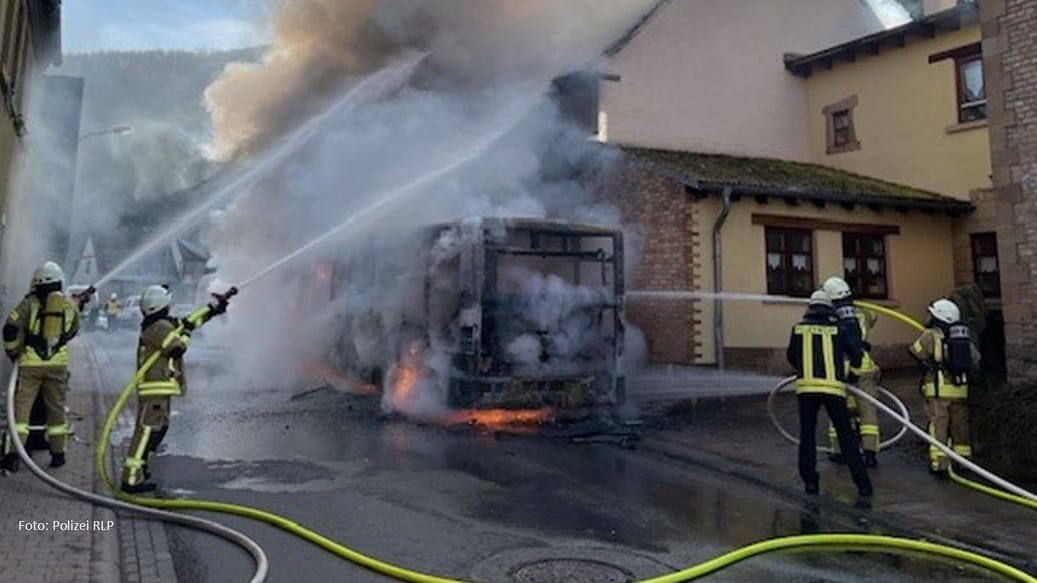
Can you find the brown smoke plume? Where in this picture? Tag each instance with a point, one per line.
(319, 45)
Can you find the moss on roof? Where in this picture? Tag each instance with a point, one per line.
(769, 173)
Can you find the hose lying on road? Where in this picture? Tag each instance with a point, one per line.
(250, 546)
(1018, 495)
(795, 440)
(840, 542)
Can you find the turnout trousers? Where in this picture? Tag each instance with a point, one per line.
(863, 415)
(151, 427)
(948, 424)
(810, 405)
(52, 383)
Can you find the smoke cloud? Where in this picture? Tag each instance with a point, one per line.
(477, 131)
(320, 45)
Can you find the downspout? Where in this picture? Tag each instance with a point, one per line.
(718, 272)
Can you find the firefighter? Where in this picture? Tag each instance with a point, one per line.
(947, 353)
(863, 415)
(111, 309)
(168, 336)
(819, 351)
(36, 336)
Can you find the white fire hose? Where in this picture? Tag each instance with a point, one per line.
(905, 421)
(795, 440)
(235, 537)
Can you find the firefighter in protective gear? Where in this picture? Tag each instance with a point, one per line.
(36, 336)
(863, 415)
(947, 353)
(112, 307)
(818, 352)
(169, 337)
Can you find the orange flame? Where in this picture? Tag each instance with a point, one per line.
(406, 376)
(498, 418)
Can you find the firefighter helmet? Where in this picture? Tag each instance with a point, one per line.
(945, 311)
(837, 288)
(820, 298)
(154, 299)
(48, 273)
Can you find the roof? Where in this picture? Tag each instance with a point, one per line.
(768, 177)
(966, 13)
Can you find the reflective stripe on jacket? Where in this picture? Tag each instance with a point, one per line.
(166, 377)
(27, 317)
(819, 354)
(929, 349)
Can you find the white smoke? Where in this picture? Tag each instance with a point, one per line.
(480, 105)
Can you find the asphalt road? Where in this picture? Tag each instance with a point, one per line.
(473, 505)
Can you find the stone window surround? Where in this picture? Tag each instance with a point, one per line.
(829, 112)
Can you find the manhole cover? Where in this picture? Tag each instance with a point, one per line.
(570, 571)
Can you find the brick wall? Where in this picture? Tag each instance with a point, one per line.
(1010, 63)
(983, 220)
(662, 215)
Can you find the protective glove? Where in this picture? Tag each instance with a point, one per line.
(866, 346)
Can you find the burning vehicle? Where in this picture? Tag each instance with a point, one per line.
(518, 316)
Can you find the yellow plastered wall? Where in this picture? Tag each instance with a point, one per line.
(905, 118)
(919, 264)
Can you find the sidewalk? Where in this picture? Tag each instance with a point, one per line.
(106, 548)
(735, 437)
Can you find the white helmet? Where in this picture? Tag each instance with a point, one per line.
(837, 288)
(820, 298)
(114, 296)
(945, 311)
(48, 273)
(154, 299)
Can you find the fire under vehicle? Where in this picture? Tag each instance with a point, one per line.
(508, 313)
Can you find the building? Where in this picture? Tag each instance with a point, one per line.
(1009, 49)
(30, 39)
(854, 157)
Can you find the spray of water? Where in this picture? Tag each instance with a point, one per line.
(384, 200)
(371, 88)
(724, 296)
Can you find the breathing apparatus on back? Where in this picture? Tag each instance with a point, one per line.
(49, 336)
(956, 342)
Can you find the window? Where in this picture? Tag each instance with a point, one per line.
(841, 134)
(790, 262)
(985, 269)
(864, 264)
(841, 122)
(972, 95)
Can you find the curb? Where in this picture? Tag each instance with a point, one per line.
(138, 551)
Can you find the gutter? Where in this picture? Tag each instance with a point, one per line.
(718, 282)
(863, 199)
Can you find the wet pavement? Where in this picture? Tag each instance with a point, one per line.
(474, 505)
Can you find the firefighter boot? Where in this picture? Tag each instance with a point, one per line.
(140, 488)
(871, 459)
(57, 460)
(10, 463)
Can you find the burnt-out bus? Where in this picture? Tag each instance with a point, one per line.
(506, 313)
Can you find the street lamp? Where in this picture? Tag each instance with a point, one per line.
(117, 130)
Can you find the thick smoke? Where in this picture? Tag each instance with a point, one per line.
(320, 45)
(476, 132)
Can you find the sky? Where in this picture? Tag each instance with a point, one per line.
(96, 25)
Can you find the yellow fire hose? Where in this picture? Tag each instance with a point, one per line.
(831, 542)
(1027, 501)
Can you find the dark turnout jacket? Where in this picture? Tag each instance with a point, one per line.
(819, 351)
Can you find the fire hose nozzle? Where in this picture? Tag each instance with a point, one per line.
(84, 296)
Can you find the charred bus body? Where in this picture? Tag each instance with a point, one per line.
(512, 313)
